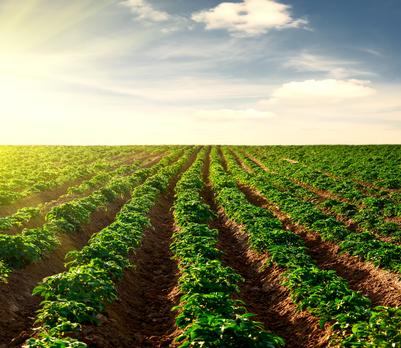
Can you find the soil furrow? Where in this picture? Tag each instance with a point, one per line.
(38, 221)
(326, 194)
(323, 195)
(381, 286)
(395, 219)
(373, 186)
(262, 291)
(40, 197)
(364, 187)
(142, 316)
(44, 196)
(17, 305)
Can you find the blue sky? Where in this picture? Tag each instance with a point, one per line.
(178, 71)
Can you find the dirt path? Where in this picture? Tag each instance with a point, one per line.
(142, 316)
(262, 292)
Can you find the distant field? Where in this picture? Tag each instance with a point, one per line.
(200, 246)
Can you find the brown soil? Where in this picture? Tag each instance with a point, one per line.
(17, 305)
(375, 187)
(143, 316)
(37, 221)
(262, 291)
(123, 160)
(381, 286)
(322, 193)
(243, 165)
(396, 220)
(133, 155)
(354, 226)
(255, 160)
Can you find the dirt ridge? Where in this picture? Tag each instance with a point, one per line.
(38, 221)
(262, 291)
(50, 195)
(142, 316)
(17, 305)
(322, 195)
(381, 286)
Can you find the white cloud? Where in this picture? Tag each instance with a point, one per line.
(145, 11)
(233, 115)
(249, 18)
(372, 51)
(334, 68)
(321, 91)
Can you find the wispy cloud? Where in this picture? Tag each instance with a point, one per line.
(332, 67)
(84, 72)
(145, 11)
(315, 92)
(371, 51)
(249, 18)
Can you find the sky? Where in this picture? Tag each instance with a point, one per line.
(204, 72)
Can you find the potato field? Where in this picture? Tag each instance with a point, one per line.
(200, 246)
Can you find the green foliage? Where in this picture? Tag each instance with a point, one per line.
(382, 330)
(208, 277)
(216, 331)
(321, 292)
(372, 249)
(207, 313)
(76, 296)
(62, 316)
(48, 341)
(22, 249)
(326, 295)
(86, 284)
(22, 216)
(4, 272)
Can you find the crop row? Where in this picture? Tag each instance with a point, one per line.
(208, 314)
(322, 292)
(31, 244)
(75, 297)
(29, 170)
(36, 169)
(367, 217)
(376, 165)
(365, 244)
(104, 174)
(368, 210)
(19, 218)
